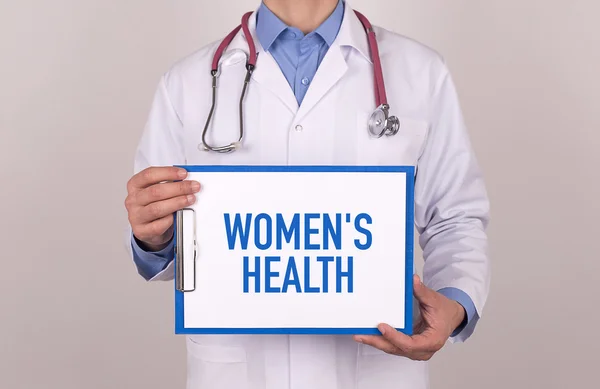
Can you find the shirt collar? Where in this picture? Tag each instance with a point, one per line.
(269, 26)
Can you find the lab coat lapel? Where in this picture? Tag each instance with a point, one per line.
(330, 71)
(334, 66)
(267, 73)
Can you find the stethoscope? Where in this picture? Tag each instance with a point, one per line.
(380, 122)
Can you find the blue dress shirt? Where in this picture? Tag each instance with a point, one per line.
(298, 56)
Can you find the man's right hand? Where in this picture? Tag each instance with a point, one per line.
(152, 198)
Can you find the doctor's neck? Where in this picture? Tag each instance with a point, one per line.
(305, 15)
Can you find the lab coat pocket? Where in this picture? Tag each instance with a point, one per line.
(216, 366)
(403, 149)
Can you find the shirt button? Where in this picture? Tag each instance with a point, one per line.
(299, 128)
(305, 81)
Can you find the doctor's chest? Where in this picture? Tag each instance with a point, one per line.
(328, 128)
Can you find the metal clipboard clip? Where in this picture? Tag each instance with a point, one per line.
(185, 250)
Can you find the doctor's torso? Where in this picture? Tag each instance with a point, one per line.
(329, 127)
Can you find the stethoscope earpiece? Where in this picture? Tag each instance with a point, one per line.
(221, 149)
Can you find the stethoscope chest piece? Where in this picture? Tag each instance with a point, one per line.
(380, 123)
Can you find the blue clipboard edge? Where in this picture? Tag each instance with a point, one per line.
(409, 256)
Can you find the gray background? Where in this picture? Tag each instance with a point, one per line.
(77, 81)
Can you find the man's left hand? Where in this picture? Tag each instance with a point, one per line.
(440, 316)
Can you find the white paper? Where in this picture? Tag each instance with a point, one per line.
(378, 273)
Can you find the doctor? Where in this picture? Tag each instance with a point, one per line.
(309, 101)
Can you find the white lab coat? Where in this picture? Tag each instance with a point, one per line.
(330, 128)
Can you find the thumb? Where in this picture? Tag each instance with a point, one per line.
(425, 295)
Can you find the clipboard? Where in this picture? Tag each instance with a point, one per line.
(295, 250)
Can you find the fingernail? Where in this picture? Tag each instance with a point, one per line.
(382, 329)
(191, 199)
(359, 340)
(195, 186)
(182, 173)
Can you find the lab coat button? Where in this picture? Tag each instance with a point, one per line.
(299, 128)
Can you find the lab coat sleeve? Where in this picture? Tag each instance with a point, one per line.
(451, 206)
(161, 144)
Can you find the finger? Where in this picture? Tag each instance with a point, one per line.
(146, 232)
(427, 341)
(378, 342)
(160, 209)
(387, 347)
(154, 175)
(166, 191)
(424, 294)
